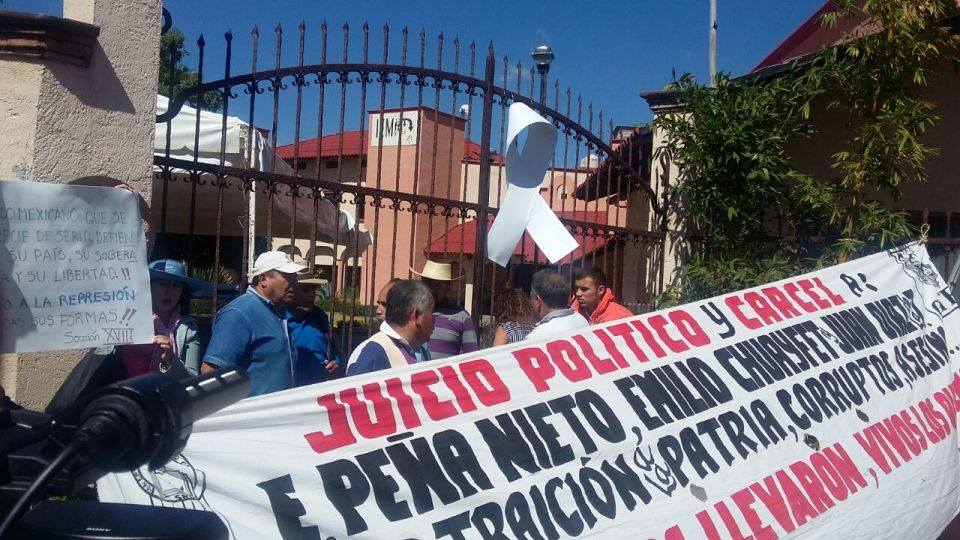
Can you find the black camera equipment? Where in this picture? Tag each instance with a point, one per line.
(145, 420)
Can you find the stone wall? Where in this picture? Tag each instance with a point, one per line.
(66, 117)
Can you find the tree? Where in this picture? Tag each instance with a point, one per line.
(738, 182)
(874, 79)
(174, 78)
(760, 218)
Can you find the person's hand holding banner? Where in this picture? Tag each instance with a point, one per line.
(523, 208)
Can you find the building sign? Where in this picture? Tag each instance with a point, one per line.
(819, 406)
(394, 130)
(73, 268)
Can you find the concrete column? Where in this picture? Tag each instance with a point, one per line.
(664, 174)
(67, 116)
(19, 94)
(637, 282)
(99, 121)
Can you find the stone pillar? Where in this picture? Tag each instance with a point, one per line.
(77, 99)
(664, 174)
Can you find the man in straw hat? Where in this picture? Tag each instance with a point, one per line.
(453, 331)
(317, 357)
(251, 331)
(401, 339)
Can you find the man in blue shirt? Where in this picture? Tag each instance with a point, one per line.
(317, 357)
(251, 331)
(402, 336)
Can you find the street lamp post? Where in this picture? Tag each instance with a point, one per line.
(713, 43)
(543, 55)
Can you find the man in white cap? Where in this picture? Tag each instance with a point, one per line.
(251, 331)
(453, 332)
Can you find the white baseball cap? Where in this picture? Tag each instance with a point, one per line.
(275, 260)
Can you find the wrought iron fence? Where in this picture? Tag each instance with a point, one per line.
(388, 165)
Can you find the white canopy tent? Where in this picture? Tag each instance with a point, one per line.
(245, 147)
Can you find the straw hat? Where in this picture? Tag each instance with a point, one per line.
(437, 271)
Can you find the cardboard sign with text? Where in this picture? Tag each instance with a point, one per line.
(821, 406)
(73, 268)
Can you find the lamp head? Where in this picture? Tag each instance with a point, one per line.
(543, 56)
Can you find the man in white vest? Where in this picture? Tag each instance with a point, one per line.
(403, 333)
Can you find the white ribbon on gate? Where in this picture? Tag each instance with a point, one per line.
(523, 208)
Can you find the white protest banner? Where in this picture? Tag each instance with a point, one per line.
(821, 406)
(73, 269)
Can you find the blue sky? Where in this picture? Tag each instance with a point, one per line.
(609, 52)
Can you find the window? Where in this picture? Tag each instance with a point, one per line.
(938, 224)
(331, 164)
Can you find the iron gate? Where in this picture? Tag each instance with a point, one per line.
(431, 195)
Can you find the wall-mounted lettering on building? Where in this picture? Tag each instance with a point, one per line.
(393, 129)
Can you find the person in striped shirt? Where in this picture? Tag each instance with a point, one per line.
(453, 332)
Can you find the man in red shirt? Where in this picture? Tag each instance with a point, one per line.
(594, 299)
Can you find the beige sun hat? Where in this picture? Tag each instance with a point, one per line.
(437, 271)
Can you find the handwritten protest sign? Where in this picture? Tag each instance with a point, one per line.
(821, 406)
(73, 269)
